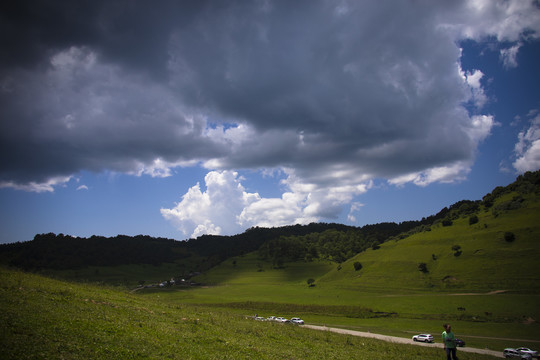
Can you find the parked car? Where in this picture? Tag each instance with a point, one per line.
(525, 350)
(510, 353)
(423, 337)
(460, 343)
(298, 321)
(271, 318)
(281, 319)
(260, 318)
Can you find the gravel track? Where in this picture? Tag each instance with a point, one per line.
(399, 340)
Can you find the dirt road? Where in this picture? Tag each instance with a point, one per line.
(400, 340)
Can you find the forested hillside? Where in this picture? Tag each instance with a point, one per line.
(335, 242)
(60, 252)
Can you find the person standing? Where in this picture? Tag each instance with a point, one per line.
(449, 341)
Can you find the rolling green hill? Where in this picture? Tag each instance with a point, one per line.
(42, 318)
(465, 257)
(477, 246)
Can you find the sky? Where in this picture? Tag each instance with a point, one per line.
(182, 118)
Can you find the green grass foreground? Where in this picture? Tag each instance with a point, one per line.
(42, 318)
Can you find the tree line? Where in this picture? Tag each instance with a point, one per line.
(336, 242)
(330, 244)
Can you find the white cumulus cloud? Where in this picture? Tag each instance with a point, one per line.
(226, 208)
(527, 149)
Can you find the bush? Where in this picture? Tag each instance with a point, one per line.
(509, 236)
(473, 220)
(311, 282)
(357, 265)
(447, 222)
(423, 268)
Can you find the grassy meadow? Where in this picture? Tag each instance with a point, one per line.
(43, 318)
(486, 318)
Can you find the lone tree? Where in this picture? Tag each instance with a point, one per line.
(311, 282)
(357, 265)
(423, 268)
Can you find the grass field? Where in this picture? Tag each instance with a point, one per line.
(480, 318)
(42, 318)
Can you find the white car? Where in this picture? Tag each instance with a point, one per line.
(524, 350)
(423, 337)
(298, 321)
(260, 318)
(271, 318)
(516, 354)
(281, 319)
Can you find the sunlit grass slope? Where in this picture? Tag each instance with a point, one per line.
(461, 257)
(42, 318)
(250, 270)
(247, 278)
(484, 262)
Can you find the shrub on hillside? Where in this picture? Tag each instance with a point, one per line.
(423, 268)
(473, 220)
(357, 265)
(509, 236)
(447, 222)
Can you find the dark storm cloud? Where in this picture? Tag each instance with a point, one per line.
(81, 89)
(80, 114)
(133, 32)
(31, 29)
(375, 88)
(349, 79)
